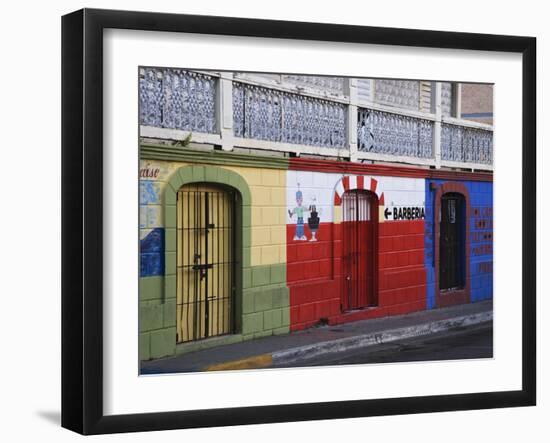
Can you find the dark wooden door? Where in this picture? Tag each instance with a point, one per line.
(360, 220)
(451, 242)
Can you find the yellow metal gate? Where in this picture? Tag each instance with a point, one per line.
(205, 301)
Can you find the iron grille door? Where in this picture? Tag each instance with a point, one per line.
(359, 248)
(205, 261)
(451, 244)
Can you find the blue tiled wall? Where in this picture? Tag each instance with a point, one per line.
(151, 253)
(481, 240)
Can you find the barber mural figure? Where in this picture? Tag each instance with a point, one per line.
(299, 212)
(312, 221)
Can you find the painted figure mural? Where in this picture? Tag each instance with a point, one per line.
(298, 211)
(313, 221)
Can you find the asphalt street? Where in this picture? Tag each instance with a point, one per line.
(356, 342)
(458, 344)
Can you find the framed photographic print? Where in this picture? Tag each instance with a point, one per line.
(270, 221)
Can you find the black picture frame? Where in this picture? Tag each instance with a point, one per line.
(82, 215)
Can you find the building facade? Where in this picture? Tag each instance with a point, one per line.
(303, 201)
(477, 103)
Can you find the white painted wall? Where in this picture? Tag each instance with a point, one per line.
(319, 187)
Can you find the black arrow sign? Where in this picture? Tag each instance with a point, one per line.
(405, 213)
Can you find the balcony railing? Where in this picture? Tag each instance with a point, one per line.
(466, 145)
(224, 110)
(268, 114)
(394, 134)
(178, 99)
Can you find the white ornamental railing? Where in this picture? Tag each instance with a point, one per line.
(394, 134)
(178, 99)
(466, 145)
(326, 118)
(278, 116)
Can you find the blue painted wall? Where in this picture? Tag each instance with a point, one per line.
(151, 253)
(481, 241)
(151, 248)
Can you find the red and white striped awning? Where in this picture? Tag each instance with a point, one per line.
(351, 182)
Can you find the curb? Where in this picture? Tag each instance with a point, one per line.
(254, 362)
(306, 352)
(375, 338)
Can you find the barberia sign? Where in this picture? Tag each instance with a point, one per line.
(405, 213)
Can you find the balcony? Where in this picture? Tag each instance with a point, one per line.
(269, 114)
(394, 134)
(302, 115)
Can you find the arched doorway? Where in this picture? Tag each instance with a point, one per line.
(452, 244)
(359, 246)
(452, 254)
(205, 261)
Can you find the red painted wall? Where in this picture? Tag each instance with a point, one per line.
(314, 274)
(401, 273)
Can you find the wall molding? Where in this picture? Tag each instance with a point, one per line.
(152, 151)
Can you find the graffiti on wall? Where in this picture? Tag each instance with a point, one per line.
(485, 249)
(485, 267)
(481, 236)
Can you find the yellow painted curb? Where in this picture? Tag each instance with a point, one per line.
(258, 361)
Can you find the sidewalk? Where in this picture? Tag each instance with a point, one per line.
(313, 342)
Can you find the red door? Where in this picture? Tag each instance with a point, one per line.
(360, 221)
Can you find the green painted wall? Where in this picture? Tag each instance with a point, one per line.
(263, 309)
(265, 301)
(157, 319)
(261, 291)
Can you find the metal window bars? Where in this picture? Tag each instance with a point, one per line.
(205, 262)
